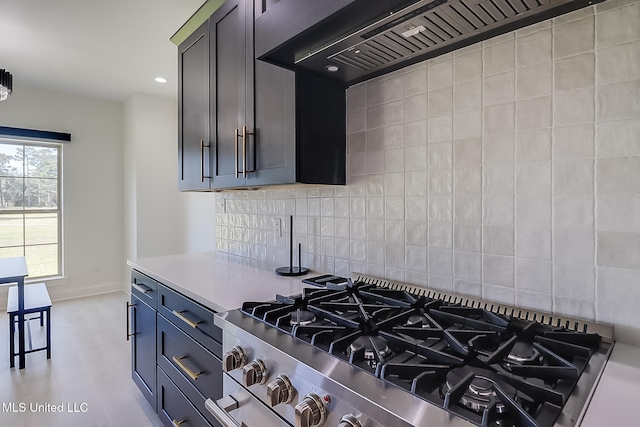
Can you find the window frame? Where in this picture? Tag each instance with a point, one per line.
(25, 212)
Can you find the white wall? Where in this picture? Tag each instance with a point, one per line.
(92, 184)
(508, 170)
(159, 220)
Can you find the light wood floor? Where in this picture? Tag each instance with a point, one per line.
(90, 365)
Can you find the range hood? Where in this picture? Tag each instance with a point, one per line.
(366, 38)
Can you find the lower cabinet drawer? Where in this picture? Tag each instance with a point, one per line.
(180, 356)
(174, 408)
(193, 318)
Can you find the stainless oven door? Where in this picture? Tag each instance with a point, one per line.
(239, 408)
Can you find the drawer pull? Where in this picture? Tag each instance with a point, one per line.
(177, 423)
(187, 371)
(220, 410)
(181, 316)
(140, 288)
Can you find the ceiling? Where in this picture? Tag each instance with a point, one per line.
(102, 49)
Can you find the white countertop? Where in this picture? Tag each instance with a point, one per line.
(218, 281)
(223, 282)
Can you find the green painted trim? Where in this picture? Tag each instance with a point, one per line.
(201, 15)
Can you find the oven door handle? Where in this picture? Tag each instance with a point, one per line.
(220, 410)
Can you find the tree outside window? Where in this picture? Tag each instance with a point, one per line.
(30, 214)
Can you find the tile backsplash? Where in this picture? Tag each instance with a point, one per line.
(507, 170)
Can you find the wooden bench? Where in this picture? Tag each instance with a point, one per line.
(36, 300)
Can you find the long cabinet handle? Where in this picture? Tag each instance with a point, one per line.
(202, 146)
(189, 372)
(244, 151)
(178, 423)
(235, 149)
(220, 410)
(140, 288)
(182, 317)
(128, 305)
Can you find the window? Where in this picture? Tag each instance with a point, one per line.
(30, 214)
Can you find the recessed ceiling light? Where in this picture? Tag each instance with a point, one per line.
(331, 68)
(160, 80)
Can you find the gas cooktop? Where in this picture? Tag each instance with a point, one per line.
(487, 364)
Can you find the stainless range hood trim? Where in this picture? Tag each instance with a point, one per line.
(452, 25)
(605, 331)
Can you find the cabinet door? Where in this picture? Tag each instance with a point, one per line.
(193, 111)
(272, 150)
(143, 349)
(228, 92)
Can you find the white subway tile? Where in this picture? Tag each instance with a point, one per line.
(499, 58)
(393, 136)
(416, 208)
(467, 237)
(415, 81)
(619, 212)
(499, 88)
(441, 101)
(415, 158)
(573, 246)
(499, 119)
(468, 67)
(625, 319)
(534, 113)
(618, 26)
(574, 308)
(574, 37)
(440, 235)
(573, 177)
(441, 262)
(498, 209)
(357, 121)
(533, 178)
(619, 63)
(533, 300)
(533, 145)
(534, 48)
(357, 229)
(574, 72)
(357, 98)
(464, 287)
(467, 152)
(440, 128)
(618, 101)
(499, 179)
(533, 275)
(375, 229)
(440, 208)
(533, 242)
(440, 75)
(498, 240)
(440, 181)
(533, 210)
(619, 249)
(573, 142)
(534, 81)
(467, 124)
(394, 255)
(467, 265)
(573, 210)
(574, 107)
(468, 209)
(468, 95)
(498, 270)
(394, 208)
(440, 155)
(393, 88)
(416, 183)
(499, 149)
(499, 294)
(618, 286)
(415, 232)
(574, 281)
(619, 138)
(618, 175)
(416, 258)
(415, 107)
(468, 180)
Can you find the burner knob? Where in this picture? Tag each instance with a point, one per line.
(349, 420)
(254, 373)
(234, 359)
(280, 391)
(310, 412)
